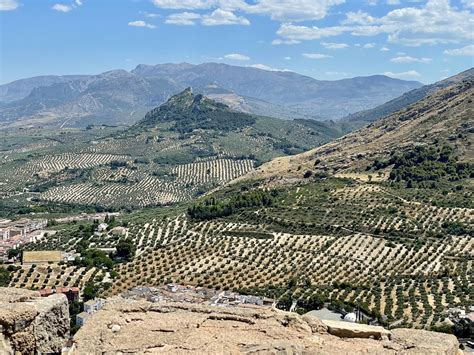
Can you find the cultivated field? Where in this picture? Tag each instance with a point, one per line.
(384, 254)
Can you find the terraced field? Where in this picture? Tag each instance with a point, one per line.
(370, 245)
(136, 167)
(127, 187)
(37, 277)
(408, 282)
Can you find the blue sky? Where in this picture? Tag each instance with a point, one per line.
(423, 40)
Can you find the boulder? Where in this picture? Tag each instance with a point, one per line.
(356, 330)
(422, 341)
(31, 324)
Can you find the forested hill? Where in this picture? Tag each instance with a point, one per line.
(190, 112)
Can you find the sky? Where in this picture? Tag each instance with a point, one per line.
(424, 40)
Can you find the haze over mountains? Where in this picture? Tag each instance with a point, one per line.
(121, 97)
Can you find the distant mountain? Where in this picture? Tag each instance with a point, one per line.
(116, 97)
(362, 118)
(303, 94)
(121, 97)
(20, 89)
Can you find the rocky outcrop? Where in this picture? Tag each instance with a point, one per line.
(31, 324)
(354, 330)
(126, 326)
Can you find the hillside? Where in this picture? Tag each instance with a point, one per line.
(362, 118)
(444, 117)
(121, 97)
(179, 150)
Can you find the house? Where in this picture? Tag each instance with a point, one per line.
(81, 318)
(4, 233)
(94, 305)
(16, 232)
(102, 227)
(41, 257)
(119, 231)
(29, 225)
(72, 293)
(5, 222)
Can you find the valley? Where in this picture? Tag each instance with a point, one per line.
(379, 221)
(158, 161)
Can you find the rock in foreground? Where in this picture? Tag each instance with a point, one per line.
(31, 324)
(125, 325)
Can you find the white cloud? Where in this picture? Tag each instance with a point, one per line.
(467, 51)
(393, 2)
(78, 2)
(384, 49)
(436, 22)
(61, 7)
(141, 24)
(183, 18)
(287, 58)
(184, 4)
(266, 67)
(316, 56)
(279, 10)
(330, 45)
(291, 32)
(262, 67)
(336, 73)
(289, 10)
(8, 5)
(408, 59)
(368, 45)
(405, 74)
(278, 41)
(236, 56)
(222, 17)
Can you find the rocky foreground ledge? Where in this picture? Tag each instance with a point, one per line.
(30, 324)
(128, 326)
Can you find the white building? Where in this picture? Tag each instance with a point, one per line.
(350, 317)
(4, 234)
(102, 227)
(94, 305)
(81, 318)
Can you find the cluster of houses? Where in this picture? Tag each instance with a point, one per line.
(15, 233)
(457, 315)
(73, 295)
(228, 298)
(194, 294)
(102, 216)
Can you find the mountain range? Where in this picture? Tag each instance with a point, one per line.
(122, 97)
